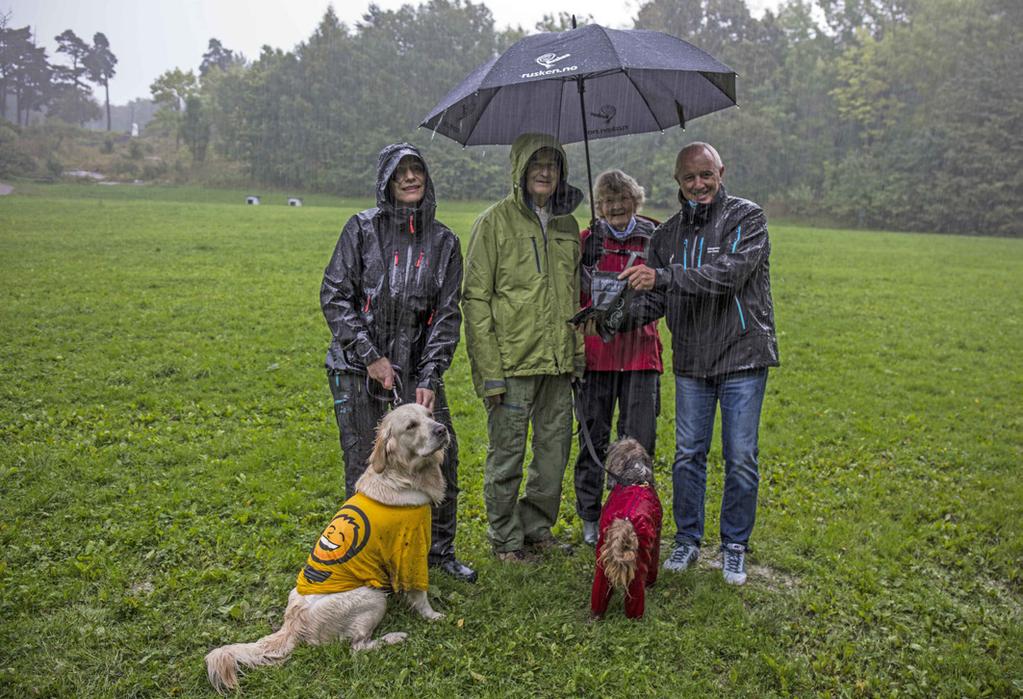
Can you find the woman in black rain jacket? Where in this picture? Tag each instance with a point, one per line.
(390, 296)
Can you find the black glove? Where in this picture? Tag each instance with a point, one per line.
(593, 246)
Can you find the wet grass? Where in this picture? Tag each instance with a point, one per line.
(169, 454)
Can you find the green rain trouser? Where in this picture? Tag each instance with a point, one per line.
(546, 402)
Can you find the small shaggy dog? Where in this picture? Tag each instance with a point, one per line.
(376, 543)
(629, 545)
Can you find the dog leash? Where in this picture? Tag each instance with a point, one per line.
(585, 431)
(394, 400)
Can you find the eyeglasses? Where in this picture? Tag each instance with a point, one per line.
(619, 199)
(400, 172)
(539, 165)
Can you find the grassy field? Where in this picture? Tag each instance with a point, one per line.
(169, 454)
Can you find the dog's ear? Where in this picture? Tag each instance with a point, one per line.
(381, 447)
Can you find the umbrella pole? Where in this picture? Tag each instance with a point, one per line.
(586, 144)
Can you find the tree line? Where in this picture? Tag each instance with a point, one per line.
(30, 82)
(894, 114)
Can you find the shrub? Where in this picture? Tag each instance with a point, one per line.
(54, 168)
(14, 159)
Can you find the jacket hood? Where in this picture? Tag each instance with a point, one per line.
(566, 197)
(387, 161)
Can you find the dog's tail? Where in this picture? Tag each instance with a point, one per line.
(619, 553)
(222, 664)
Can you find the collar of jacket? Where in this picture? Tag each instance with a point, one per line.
(701, 213)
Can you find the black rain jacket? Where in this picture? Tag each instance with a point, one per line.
(714, 287)
(391, 288)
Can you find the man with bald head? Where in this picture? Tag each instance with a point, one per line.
(708, 273)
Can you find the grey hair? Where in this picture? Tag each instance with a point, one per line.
(617, 182)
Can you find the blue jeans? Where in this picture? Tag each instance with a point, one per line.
(741, 396)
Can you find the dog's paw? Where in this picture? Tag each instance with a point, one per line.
(393, 637)
(432, 615)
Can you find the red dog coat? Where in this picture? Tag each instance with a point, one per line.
(639, 505)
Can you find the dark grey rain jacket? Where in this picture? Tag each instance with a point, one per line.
(714, 287)
(391, 288)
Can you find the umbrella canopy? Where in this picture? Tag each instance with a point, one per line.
(584, 84)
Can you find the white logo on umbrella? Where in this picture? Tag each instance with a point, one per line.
(549, 59)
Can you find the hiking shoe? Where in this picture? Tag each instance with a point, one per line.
(516, 556)
(549, 543)
(682, 557)
(591, 531)
(456, 569)
(734, 564)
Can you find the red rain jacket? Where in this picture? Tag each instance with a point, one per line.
(635, 350)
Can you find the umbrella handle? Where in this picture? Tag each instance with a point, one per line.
(586, 143)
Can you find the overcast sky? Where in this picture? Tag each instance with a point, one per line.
(151, 36)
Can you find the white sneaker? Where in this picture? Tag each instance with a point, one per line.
(682, 557)
(734, 564)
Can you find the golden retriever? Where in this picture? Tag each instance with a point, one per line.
(402, 478)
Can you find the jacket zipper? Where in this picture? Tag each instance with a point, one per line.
(742, 318)
(536, 254)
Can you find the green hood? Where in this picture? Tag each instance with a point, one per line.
(566, 197)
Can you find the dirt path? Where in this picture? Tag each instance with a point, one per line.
(5, 189)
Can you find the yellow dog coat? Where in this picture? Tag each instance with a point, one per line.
(370, 544)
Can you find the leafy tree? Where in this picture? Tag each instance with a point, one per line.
(216, 57)
(195, 128)
(100, 62)
(72, 105)
(15, 44)
(171, 90)
(77, 51)
(31, 78)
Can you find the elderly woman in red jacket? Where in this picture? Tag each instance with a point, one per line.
(626, 370)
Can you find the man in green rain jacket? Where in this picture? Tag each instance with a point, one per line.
(520, 288)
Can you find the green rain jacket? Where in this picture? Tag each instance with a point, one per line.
(521, 284)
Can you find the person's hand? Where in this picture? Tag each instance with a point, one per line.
(640, 277)
(425, 398)
(382, 372)
(493, 401)
(591, 327)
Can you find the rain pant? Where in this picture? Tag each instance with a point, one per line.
(391, 289)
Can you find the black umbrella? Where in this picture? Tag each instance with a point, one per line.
(559, 83)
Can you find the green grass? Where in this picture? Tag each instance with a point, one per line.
(169, 454)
